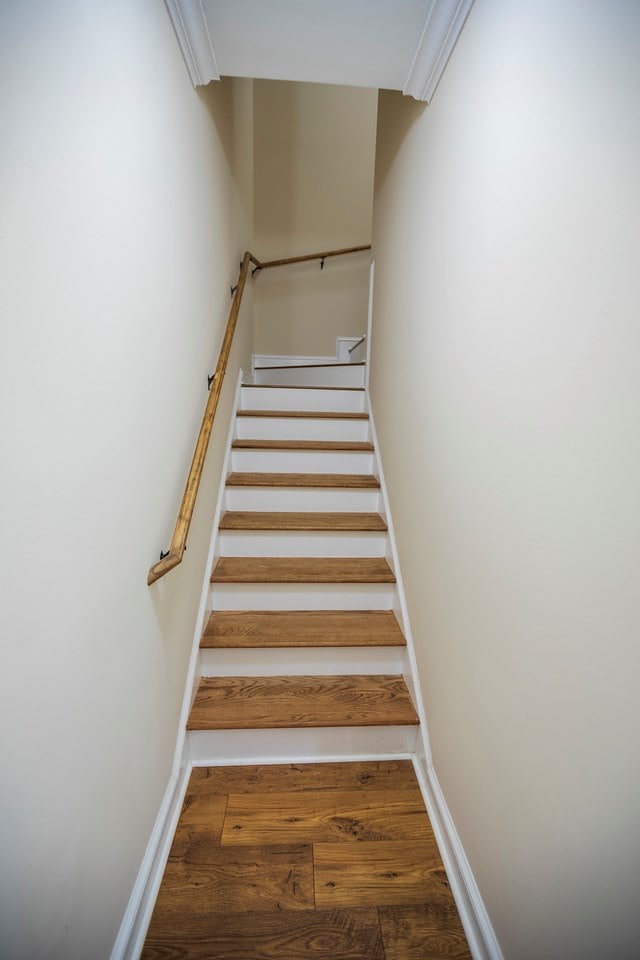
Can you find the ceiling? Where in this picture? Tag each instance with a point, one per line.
(392, 44)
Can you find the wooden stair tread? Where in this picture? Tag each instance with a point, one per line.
(293, 386)
(302, 628)
(332, 480)
(306, 414)
(311, 366)
(302, 570)
(357, 445)
(234, 703)
(304, 520)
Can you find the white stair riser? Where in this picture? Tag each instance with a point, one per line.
(302, 499)
(340, 375)
(271, 398)
(296, 661)
(209, 747)
(302, 461)
(300, 428)
(276, 543)
(301, 596)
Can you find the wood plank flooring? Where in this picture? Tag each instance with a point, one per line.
(302, 628)
(302, 570)
(240, 703)
(317, 869)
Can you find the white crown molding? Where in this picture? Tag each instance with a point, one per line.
(441, 30)
(192, 31)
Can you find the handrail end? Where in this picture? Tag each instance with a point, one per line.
(163, 566)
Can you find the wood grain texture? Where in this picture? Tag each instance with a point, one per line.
(185, 512)
(302, 570)
(274, 935)
(226, 703)
(358, 445)
(302, 628)
(211, 879)
(295, 386)
(388, 873)
(272, 520)
(311, 366)
(358, 481)
(325, 815)
(305, 414)
(257, 902)
(430, 930)
(364, 776)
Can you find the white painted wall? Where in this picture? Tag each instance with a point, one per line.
(314, 158)
(506, 388)
(118, 243)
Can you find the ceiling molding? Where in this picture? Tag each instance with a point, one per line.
(442, 28)
(190, 25)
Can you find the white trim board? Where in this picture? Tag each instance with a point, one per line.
(192, 33)
(479, 931)
(442, 27)
(133, 929)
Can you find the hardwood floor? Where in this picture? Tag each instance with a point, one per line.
(332, 861)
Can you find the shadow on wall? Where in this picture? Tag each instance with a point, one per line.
(301, 309)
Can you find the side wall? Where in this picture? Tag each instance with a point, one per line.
(314, 161)
(506, 389)
(122, 228)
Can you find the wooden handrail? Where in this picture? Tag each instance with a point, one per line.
(178, 545)
(179, 539)
(312, 256)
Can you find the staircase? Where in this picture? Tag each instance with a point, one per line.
(302, 656)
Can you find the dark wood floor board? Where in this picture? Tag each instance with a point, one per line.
(385, 873)
(225, 703)
(277, 935)
(302, 628)
(302, 570)
(303, 520)
(365, 776)
(431, 930)
(201, 819)
(324, 481)
(210, 879)
(325, 815)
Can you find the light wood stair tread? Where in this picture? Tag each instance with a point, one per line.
(302, 570)
(302, 628)
(357, 445)
(233, 703)
(306, 414)
(293, 386)
(303, 520)
(331, 480)
(311, 366)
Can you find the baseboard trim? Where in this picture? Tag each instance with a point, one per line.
(133, 928)
(480, 934)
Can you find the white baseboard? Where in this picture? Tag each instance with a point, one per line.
(480, 934)
(133, 929)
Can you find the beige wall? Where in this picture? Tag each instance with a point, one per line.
(314, 157)
(117, 248)
(506, 389)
